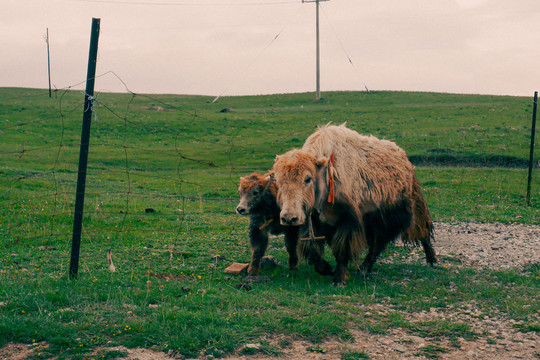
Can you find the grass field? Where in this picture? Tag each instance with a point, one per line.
(161, 193)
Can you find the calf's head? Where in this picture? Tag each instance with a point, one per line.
(252, 191)
(301, 184)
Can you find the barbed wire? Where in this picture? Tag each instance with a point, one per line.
(199, 4)
(126, 183)
(57, 198)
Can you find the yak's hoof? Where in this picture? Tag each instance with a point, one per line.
(324, 269)
(253, 271)
(326, 273)
(339, 281)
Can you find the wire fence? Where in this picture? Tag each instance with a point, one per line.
(161, 168)
(140, 177)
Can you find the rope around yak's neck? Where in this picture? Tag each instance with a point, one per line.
(312, 236)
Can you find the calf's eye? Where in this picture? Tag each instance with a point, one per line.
(307, 179)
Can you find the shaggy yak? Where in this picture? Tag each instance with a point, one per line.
(364, 188)
(258, 201)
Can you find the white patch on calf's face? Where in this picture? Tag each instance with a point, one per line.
(243, 208)
(249, 197)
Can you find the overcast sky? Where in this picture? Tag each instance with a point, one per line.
(231, 47)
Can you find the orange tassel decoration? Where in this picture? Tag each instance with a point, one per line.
(331, 185)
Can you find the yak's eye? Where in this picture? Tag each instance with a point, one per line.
(255, 192)
(307, 179)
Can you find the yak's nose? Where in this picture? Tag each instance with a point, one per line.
(289, 219)
(241, 210)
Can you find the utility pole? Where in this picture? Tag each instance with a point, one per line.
(48, 61)
(317, 50)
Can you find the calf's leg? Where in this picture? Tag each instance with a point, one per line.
(258, 242)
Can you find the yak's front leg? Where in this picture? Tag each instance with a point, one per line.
(341, 274)
(258, 242)
(291, 243)
(345, 242)
(313, 251)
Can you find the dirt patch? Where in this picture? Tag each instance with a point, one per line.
(497, 246)
(152, 108)
(15, 352)
(499, 340)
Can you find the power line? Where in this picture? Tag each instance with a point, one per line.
(147, 3)
(246, 68)
(345, 51)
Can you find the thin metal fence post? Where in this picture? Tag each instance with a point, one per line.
(83, 154)
(531, 156)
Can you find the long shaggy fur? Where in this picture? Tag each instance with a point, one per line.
(377, 195)
(370, 172)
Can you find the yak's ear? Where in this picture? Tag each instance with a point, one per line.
(321, 162)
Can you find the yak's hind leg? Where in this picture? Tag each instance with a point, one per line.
(376, 247)
(258, 242)
(382, 227)
(431, 258)
(421, 229)
(422, 233)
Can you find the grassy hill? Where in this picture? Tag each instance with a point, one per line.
(161, 192)
(187, 146)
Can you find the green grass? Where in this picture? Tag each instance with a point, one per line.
(169, 292)
(432, 351)
(354, 355)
